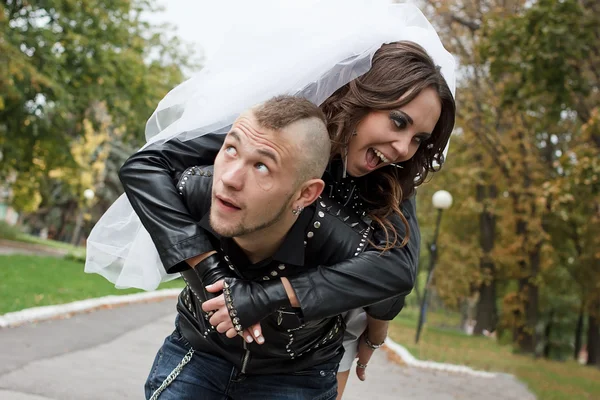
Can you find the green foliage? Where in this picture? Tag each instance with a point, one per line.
(76, 256)
(457, 266)
(544, 50)
(528, 126)
(58, 61)
(548, 59)
(9, 232)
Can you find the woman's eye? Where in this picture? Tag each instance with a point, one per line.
(261, 167)
(230, 150)
(399, 122)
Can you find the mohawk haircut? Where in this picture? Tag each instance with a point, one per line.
(310, 123)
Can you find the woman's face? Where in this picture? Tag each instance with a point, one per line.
(386, 137)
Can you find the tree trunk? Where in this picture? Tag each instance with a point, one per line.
(523, 334)
(77, 230)
(547, 333)
(524, 207)
(527, 336)
(593, 342)
(60, 234)
(578, 333)
(486, 307)
(486, 316)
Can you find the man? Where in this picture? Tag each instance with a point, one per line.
(265, 175)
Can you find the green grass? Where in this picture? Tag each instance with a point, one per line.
(548, 380)
(32, 281)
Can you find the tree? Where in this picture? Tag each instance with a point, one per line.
(505, 151)
(548, 57)
(521, 80)
(59, 58)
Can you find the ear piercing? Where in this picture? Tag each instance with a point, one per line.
(297, 210)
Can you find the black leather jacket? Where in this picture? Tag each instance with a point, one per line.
(150, 177)
(323, 234)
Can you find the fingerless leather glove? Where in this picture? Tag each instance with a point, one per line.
(206, 272)
(250, 302)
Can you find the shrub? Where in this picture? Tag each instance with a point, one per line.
(8, 231)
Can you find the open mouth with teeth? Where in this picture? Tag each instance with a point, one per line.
(375, 158)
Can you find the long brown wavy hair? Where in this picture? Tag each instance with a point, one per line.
(398, 69)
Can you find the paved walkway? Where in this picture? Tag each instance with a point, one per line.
(106, 355)
(10, 247)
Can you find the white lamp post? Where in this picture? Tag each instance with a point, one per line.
(442, 200)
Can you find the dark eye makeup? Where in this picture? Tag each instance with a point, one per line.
(399, 119)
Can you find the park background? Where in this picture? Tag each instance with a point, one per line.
(516, 284)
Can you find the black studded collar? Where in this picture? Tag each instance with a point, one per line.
(291, 251)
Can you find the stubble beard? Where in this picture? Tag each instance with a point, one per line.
(242, 230)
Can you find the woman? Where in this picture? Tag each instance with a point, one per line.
(389, 128)
(389, 131)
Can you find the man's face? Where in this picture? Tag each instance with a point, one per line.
(254, 179)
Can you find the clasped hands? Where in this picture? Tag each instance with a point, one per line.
(221, 320)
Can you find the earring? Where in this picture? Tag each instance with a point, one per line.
(297, 210)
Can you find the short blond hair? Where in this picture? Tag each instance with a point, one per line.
(281, 112)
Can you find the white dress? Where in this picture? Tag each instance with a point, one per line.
(356, 323)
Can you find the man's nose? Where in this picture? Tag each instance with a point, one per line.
(234, 176)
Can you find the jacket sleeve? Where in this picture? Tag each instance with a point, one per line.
(386, 310)
(195, 187)
(149, 178)
(371, 276)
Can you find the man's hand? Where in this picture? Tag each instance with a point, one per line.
(221, 320)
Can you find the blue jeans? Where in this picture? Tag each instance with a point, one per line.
(209, 377)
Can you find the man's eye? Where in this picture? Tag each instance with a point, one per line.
(261, 167)
(230, 150)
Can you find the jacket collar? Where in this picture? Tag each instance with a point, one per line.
(290, 252)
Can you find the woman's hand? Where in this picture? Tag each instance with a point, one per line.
(371, 339)
(221, 320)
(364, 356)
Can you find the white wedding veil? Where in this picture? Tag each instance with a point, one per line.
(308, 48)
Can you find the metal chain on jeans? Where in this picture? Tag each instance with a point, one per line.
(186, 359)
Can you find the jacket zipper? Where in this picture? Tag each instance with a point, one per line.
(280, 316)
(349, 198)
(245, 359)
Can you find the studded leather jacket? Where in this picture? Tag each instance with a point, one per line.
(323, 234)
(371, 279)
